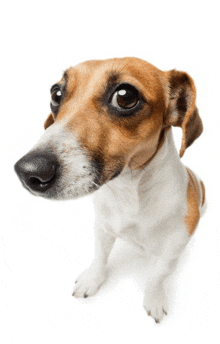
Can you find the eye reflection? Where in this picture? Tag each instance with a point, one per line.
(56, 97)
(126, 97)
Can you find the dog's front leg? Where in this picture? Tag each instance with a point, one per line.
(88, 282)
(155, 299)
(164, 265)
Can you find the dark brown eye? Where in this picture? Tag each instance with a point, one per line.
(125, 97)
(56, 97)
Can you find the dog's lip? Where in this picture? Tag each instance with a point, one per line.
(56, 189)
(116, 174)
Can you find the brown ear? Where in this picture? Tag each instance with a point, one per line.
(48, 121)
(182, 111)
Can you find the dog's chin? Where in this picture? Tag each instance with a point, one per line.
(76, 188)
(65, 193)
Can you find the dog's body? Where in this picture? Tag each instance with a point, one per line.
(111, 132)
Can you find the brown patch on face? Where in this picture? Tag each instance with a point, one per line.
(193, 202)
(142, 159)
(144, 153)
(114, 142)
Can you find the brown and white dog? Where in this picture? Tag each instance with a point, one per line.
(110, 131)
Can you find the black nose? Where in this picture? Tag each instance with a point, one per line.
(37, 171)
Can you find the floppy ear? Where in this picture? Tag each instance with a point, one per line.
(48, 121)
(182, 111)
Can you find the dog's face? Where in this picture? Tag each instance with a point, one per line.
(107, 116)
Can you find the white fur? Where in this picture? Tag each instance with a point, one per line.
(76, 178)
(146, 208)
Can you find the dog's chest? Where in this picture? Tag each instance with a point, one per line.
(143, 213)
(118, 208)
(125, 212)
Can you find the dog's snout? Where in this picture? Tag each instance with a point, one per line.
(37, 171)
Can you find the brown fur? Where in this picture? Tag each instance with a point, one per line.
(49, 121)
(194, 200)
(182, 111)
(203, 192)
(118, 142)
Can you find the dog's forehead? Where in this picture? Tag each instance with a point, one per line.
(96, 74)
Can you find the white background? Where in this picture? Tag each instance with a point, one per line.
(46, 244)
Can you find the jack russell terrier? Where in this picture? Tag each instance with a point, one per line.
(109, 131)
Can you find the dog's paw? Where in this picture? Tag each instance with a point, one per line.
(155, 304)
(88, 282)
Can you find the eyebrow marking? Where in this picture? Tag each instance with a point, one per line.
(113, 79)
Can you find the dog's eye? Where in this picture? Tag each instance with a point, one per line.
(56, 97)
(125, 97)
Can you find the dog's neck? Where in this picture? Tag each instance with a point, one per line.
(165, 164)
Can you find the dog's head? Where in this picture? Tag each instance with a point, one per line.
(107, 116)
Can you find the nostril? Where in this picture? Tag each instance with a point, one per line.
(37, 171)
(34, 181)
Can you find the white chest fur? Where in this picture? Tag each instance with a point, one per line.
(146, 207)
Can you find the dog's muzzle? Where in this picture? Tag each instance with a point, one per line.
(58, 167)
(37, 171)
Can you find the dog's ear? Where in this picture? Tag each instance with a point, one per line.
(182, 111)
(48, 121)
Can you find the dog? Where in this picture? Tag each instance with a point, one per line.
(110, 132)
